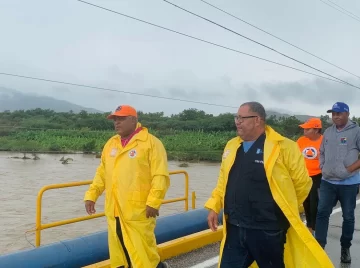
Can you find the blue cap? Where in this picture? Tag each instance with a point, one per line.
(339, 107)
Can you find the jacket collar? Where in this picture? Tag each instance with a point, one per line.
(271, 135)
(143, 134)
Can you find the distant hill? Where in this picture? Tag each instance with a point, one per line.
(301, 117)
(12, 100)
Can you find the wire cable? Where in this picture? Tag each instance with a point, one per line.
(211, 43)
(159, 97)
(349, 14)
(268, 33)
(256, 42)
(344, 9)
(114, 90)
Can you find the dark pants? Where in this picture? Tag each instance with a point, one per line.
(330, 194)
(311, 202)
(120, 236)
(243, 246)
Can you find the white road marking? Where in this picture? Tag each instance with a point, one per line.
(215, 260)
(207, 263)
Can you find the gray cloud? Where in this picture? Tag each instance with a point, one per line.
(315, 92)
(85, 45)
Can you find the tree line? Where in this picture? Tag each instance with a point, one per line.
(189, 135)
(187, 120)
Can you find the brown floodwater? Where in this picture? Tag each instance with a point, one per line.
(21, 180)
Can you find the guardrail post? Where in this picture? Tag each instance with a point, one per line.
(38, 218)
(186, 191)
(193, 200)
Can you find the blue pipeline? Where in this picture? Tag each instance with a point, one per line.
(89, 249)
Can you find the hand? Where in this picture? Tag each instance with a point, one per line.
(213, 220)
(350, 168)
(151, 212)
(90, 207)
(354, 167)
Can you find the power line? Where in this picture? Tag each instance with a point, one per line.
(344, 9)
(258, 28)
(256, 42)
(114, 90)
(211, 43)
(349, 14)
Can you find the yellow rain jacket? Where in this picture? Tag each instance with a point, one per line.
(289, 184)
(133, 177)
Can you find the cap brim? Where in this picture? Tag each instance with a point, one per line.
(112, 116)
(329, 111)
(304, 126)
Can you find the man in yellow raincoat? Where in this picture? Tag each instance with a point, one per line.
(134, 173)
(262, 183)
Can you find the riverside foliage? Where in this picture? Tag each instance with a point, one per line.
(189, 135)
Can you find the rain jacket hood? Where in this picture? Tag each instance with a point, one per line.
(289, 184)
(133, 177)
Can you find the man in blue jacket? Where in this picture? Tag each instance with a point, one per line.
(339, 153)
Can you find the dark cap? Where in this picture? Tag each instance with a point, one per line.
(339, 107)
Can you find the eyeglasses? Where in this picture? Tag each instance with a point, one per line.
(241, 118)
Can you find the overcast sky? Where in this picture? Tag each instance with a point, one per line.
(70, 41)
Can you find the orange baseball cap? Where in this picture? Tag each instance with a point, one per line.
(123, 110)
(312, 123)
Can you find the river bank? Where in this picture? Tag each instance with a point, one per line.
(192, 146)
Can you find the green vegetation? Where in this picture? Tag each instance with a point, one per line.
(191, 135)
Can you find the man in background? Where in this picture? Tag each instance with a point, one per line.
(134, 173)
(339, 163)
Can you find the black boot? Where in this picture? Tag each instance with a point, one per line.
(345, 255)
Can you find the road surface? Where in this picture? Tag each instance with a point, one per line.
(207, 257)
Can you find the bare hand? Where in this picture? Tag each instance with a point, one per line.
(90, 207)
(151, 212)
(213, 220)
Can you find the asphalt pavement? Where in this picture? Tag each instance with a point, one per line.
(207, 257)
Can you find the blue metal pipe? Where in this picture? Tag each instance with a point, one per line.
(93, 248)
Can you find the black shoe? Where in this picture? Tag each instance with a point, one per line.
(163, 265)
(345, 255)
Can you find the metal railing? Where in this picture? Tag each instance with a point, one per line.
(40, 226)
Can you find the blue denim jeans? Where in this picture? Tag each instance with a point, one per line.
(330, 194)
(243, 246)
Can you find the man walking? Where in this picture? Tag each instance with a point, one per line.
(134, 173)
(339, 163)
(262, 182)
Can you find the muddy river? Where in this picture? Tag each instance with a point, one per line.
(22, 179)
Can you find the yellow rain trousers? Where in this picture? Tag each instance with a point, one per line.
(289, 184)
(133, 177)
